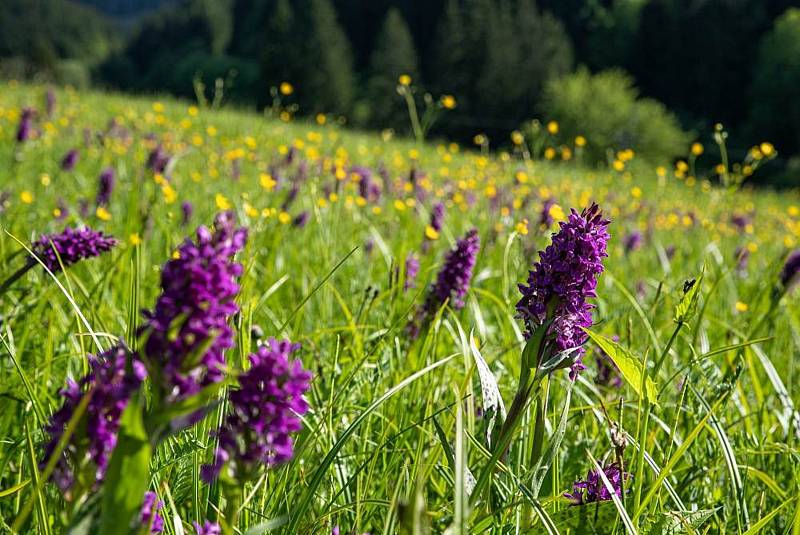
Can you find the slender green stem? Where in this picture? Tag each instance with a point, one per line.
(232, 510)
(645, 421)
(667, 348)
(414, 116)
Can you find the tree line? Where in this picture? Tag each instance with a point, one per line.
(707, 61)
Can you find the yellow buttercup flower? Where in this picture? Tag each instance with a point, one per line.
(697, 149)
(267, 182)
(522, 227)
(557, 213)
(222, 202)
(286, 89)
(431, 233)
(552, 128)
(741, 307)
(580, 141)
(404, 80)
(134, 239)
(26, 197)
(448, 102)
(103, 214)
(169, 193)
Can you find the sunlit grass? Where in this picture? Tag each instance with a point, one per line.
(390, 420)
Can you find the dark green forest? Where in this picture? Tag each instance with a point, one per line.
(681, 66)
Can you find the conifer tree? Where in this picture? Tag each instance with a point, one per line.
(394, 54)
(281, 59)
(327, 82)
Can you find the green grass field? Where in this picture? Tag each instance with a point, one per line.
(395, 425)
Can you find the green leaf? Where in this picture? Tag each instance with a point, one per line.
(494, 409)
(629, 366)
(128, 475)
(685, 310)
(676, 522)
(530, 354)
(13, 490)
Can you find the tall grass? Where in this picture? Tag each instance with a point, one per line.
(395, 437)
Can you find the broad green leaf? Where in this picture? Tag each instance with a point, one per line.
(492, 399)
(629, 366)
(685, 310)
(128, 475)
(676, 522)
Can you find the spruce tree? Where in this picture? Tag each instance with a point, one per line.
(499, 84)
(218, 17)
(450, 56)
(327, 82)
(394, 54)
(545, 52)
(281, 58)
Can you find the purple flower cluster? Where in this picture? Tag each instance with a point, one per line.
(112, 380)
(105, 187)
(187, 209)
(632, 241)
(545, 219)
(592, 489)
(70, 160)
(790, 270)
(25, 128)
(149, 516)
(158, 159)
(368, 188)
(207, 528)
(264, 411)
(453, 279)
(72, 245)
(564, 278)
(191, 314)
(741, 221)
(301, 219)
(437, 216)
(412, 270)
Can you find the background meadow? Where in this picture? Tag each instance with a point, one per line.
(393, 424)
